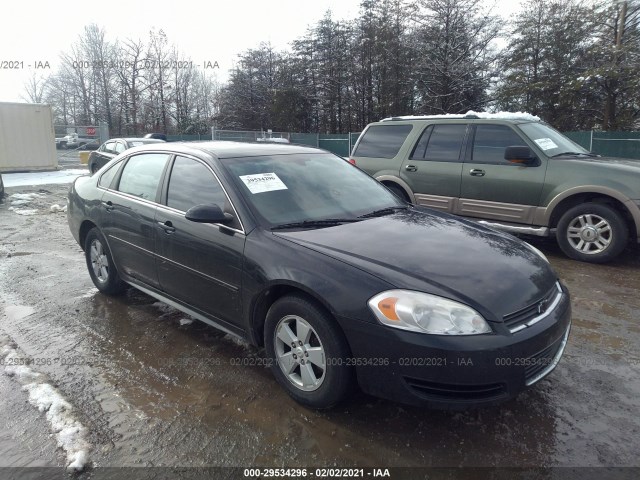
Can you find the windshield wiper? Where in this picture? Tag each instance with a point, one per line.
(574, 153)
(383, 211)
(325, 222)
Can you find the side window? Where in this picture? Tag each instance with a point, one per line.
(442, 143)
(141, 175)
(382, 141)
(421, 147)
(120, 147)
(107, 177)
(191, 183)
(490, 142)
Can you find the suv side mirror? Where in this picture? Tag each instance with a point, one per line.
(207, 213)
(520, 154)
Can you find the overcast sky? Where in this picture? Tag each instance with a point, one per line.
(39, 30)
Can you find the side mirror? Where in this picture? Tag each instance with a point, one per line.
(207, 213)
(520, 154)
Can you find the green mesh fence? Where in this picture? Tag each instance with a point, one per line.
(609, 144)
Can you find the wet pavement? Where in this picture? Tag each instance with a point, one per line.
(154, 388)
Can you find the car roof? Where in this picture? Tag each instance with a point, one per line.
(228, 149)
(139, 139)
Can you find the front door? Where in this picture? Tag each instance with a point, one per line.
(495, 188)
(200, 264)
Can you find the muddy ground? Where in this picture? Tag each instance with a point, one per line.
(154, 389)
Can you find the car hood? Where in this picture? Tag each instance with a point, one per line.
(493, 272)
(622, 163)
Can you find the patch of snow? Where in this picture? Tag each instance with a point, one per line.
(237, 340)
(484, 115)
(42, 178)
(70, 433)
(25, 196)
(23, 211)
(18, 199)
(89, 293)
(164, 308)
(185, 321)
(57, 208)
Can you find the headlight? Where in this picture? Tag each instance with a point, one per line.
(537, 252)
(426, 313)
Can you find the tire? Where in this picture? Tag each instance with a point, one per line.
(318, 384)
(592, 232)
(100, 264)
(397, 191)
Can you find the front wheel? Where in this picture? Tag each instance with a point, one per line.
(100, 264)
(309, 353)
(592, 232)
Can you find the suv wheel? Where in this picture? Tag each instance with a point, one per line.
(100, 264)
(592, 232)
(397, 191)
(308, 352)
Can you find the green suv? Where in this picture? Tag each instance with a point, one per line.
(509, 171)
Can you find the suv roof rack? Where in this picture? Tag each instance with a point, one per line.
(470, 115)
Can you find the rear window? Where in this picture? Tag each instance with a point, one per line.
(382, 141)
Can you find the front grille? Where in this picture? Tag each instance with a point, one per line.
(531, 314)
(442, 391)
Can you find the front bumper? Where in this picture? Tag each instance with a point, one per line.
(456, 372)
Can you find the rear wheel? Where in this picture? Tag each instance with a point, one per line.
(397, 191)
(592, 232)
(308, 351)
(100, 264)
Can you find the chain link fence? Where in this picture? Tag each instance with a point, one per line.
(610, 144)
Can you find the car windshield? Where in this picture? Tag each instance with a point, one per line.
(284, 189)
(552, 142)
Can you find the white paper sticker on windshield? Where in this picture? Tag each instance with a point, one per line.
(546, 143)
(263, 182)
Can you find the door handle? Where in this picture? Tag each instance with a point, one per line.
(167, 227)
(411, 168)
(476, 172)
(108, 205)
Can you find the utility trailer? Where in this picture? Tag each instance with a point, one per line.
(27, 139)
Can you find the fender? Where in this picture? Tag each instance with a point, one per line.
(543, 214)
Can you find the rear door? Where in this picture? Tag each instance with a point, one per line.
(434, 167)
(495, 188)
(200, 264)
(129, 211)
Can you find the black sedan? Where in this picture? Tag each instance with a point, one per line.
(343, 284)
(114, 147)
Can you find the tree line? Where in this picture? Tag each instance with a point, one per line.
(574, 63)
